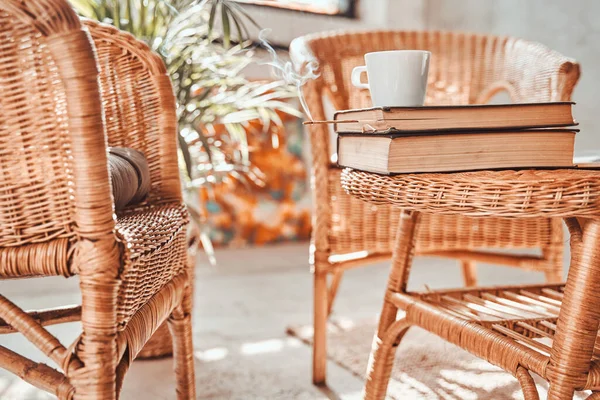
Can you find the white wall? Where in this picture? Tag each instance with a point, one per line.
(373, 14)
(571, 27)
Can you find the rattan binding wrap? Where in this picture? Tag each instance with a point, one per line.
(67, 92)
(464, 69)
(550, 329)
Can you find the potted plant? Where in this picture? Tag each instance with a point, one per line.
(206, 67)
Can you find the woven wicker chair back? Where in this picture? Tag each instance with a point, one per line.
(465, 68)
(36, 154)
(131, 94)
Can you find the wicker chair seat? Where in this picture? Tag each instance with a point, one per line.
(154, 242)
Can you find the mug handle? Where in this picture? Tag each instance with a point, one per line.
(355, 78)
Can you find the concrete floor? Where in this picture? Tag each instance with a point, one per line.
(242, 308)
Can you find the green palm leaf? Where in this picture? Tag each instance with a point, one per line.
(207, 75)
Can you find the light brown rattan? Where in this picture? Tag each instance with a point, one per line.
(519, 193)
(465, 69)
(68, 91)
(549, 329)
(161, 344)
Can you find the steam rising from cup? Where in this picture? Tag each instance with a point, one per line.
(285, 70)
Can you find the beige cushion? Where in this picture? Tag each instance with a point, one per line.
(130, 176)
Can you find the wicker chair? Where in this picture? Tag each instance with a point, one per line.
(465, 69)
(64, 99)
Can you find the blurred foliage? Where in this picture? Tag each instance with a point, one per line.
(206, 65)
(206, 48)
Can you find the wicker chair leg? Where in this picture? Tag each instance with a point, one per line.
(527, 384)
(180, 325)
(97, 348)
(333, 288)
(390, 332)
(553, 252)
(320, 315)
(381, 360)
(469, 271)
(554, 276)
(554, 273)
(122, 369)
(579, 316)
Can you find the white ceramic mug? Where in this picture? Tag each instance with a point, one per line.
(395, 78)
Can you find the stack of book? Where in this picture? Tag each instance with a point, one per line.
(390, 140)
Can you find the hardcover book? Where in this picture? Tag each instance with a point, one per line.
(406, 152)
(455, 118)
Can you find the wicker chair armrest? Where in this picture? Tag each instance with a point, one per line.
(139, 104)
(566, 73)
(72, 165)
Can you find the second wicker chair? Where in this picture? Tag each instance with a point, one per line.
(465, 69)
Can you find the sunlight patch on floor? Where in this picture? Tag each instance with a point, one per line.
(268, 346)
(215, 354)
(248, 349)
(13, 389)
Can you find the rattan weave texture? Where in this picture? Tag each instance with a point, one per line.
(155, 252)
(520, 193)
(374, 226)
(67, 92)
(36, 205)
